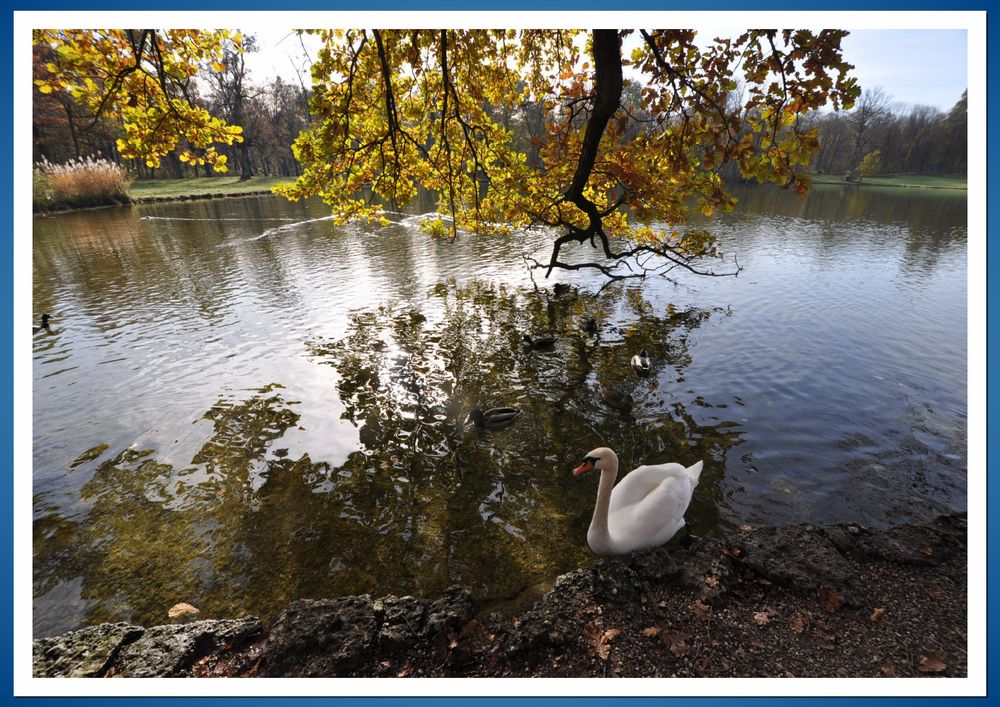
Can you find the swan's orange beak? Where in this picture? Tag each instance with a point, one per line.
(583, 468)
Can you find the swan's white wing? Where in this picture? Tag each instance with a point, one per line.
(642, 481)
(649, 509)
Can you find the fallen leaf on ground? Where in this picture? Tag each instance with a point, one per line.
(600, 639)
(931, 663)
(181, 609)
(762, 617)
(927, 550)
(878, 614)
(888, 669)
(680, 648)
(830, 600)
(746, 528)
(676, 641)
(702, 609)
(651, 631)
(711, 581)
(798, 623)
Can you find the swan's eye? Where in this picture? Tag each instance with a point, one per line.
(592, 460)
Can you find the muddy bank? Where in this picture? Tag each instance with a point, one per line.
(797, 600)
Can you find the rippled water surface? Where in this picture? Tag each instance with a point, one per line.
(239, 404)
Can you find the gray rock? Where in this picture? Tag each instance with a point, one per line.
(329, 638)
(558, 620)
(88, 652)
(402, 621)
(171, 651)
(450, 611)
(801, 557)
(928, 543)
(687, 567)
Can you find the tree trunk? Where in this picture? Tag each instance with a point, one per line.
(72, 129)
(246, 168)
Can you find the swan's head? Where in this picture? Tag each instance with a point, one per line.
(602, 459)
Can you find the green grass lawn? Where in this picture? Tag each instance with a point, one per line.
(202, 185)
(939, 181)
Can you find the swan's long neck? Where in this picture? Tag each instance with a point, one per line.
(598, 536)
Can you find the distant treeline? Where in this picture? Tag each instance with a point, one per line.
(918, 140)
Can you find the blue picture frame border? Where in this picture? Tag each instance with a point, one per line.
(992, 265)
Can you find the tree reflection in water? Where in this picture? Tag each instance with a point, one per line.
(426, 501)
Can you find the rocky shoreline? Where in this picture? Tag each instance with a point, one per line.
(783, 601)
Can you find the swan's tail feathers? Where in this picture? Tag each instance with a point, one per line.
(694, 471)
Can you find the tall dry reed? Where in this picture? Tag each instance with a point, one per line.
(87, 181)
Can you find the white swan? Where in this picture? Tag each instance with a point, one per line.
(645, 510)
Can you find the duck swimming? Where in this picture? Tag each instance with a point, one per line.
(542, 342)
(494, 418)
(616, 399)
(640, 362)
(45, 324)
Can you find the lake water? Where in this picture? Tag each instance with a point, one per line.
(239, 404)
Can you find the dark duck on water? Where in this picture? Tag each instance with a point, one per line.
(494, 418)
(44, 325)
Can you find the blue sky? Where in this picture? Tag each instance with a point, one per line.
(926, 67)
(912, 66)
